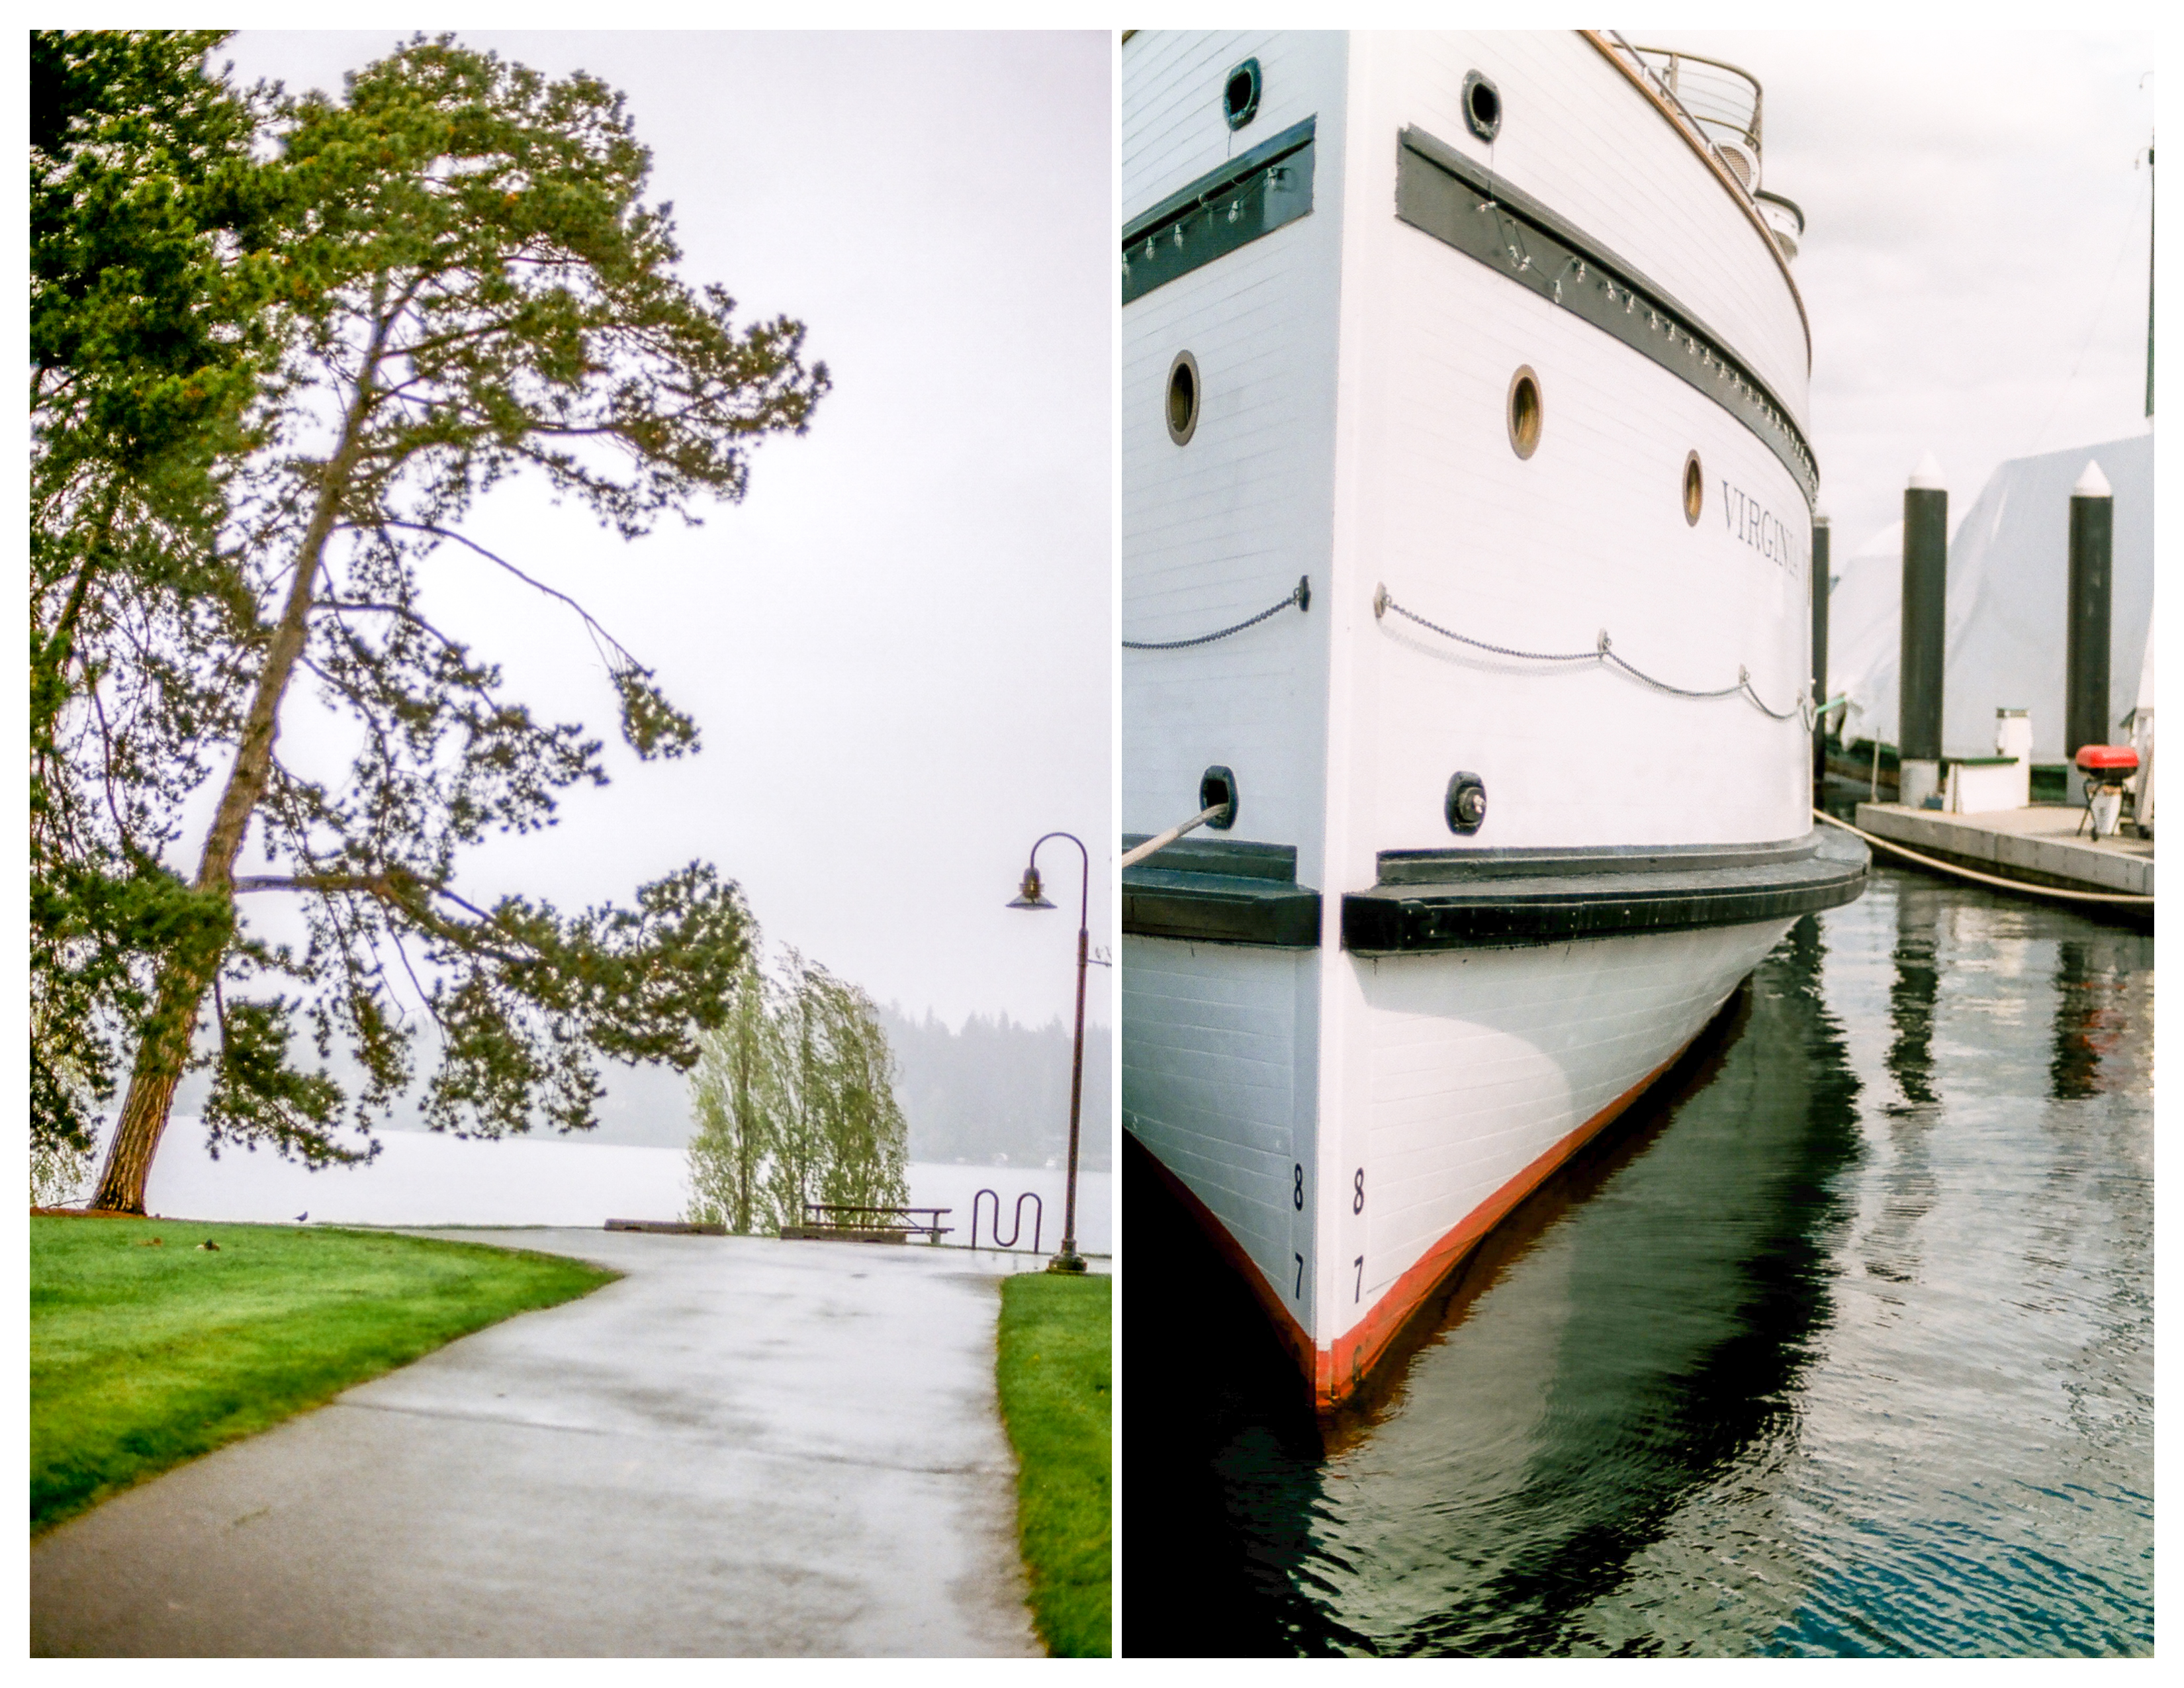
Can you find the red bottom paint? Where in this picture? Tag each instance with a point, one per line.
(1337, 1372)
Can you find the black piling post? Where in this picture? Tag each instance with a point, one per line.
(1925, 590)
(2086, 689)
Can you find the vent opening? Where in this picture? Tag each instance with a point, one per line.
(1482, 106)
(1239, 94)
(1219, 786)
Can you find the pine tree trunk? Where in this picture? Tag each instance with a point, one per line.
(185, 978)
(152, 1086)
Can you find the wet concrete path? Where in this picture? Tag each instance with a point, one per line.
(743, 1447)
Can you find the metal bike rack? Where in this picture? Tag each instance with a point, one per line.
(1016, 1228)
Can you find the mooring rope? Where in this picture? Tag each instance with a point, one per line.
(1604, 652)
(2126, 897)
(1300, 596)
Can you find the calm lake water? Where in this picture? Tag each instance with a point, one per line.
(1843, 1346)
(420, 1178)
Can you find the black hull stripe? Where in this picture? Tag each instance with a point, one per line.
(1246, 199)
(1447, 195)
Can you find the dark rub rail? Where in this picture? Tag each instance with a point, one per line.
(1452, 900)
(1220, 891)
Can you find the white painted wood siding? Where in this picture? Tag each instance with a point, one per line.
(1542, 555)
(1577, 135)
(1219, 1055)
(1481, 1060)
(1220, 529)
(1443, 1096)
(1355, 374)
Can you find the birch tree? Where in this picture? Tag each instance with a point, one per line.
(473, 289)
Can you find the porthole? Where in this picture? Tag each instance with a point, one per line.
(1239, 94)
(1183, 395)
(1482, 107)
(1694, 489)
(1525, 411)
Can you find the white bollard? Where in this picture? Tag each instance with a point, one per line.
(2013, 737)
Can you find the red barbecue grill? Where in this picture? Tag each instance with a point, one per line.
(2106, 767)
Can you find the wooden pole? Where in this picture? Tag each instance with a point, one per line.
(2086, 687)
(1921, 653)
(1820, 565)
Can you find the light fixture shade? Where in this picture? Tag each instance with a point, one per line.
(1027, 893)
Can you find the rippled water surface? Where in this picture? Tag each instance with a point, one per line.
(1843, 1345)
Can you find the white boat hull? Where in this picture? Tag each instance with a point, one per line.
(1480, 1073)
(1355, 1042)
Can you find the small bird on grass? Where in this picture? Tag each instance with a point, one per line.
(302, 1215)
(209, 1245)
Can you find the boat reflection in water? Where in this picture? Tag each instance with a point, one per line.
(1844, 1347)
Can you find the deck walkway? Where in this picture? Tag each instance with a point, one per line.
(745, 1447)
(2040, 845)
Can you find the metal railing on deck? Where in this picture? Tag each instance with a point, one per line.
(1723, 99)
(1785, 219)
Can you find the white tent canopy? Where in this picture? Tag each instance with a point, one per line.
(1864, 623)
(2008, 608)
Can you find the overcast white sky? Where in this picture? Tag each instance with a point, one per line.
(1975, 262)
(899, 647)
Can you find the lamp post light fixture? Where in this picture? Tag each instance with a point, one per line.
(1028, 896)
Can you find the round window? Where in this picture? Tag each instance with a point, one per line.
(1524, 412)
(1694, 489)
(1183, 398)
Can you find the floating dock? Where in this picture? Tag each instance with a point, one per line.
(2043, 847)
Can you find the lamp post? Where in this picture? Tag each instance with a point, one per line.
(1029, 897)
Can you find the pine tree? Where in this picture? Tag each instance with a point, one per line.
(154, 321)
(473, 288)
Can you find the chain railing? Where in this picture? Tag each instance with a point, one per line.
(1300, 596)
(1604, 652)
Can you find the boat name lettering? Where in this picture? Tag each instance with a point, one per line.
(1755, 525)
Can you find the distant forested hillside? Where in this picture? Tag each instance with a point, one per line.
(997, 1093)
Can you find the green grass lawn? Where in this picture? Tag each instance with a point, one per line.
(1057, 1388)
(143, 1356)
